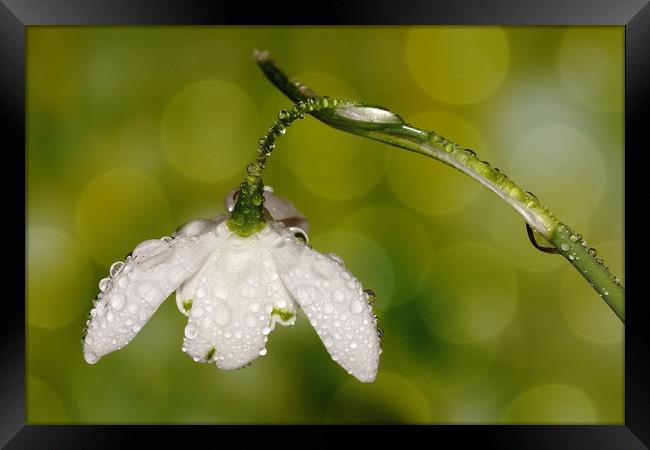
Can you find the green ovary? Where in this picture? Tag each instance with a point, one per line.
(282, 314)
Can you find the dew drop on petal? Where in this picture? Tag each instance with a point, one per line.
(207, 322)
(263, 352)
(322, 269)
(105, 284)
(356, 306)
(220, 293)
(90, 357)
(117, 301)
(336, 258)
(338, 296)
(190, 332)
(116, 268)
(222, 314)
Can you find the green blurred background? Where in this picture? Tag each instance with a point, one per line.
(133, 131)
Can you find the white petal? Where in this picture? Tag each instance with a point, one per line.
(137, 287)
(237, 297)
(334, 302)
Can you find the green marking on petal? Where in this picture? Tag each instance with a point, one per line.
(187, 304)
(211, 353)
(282, 314)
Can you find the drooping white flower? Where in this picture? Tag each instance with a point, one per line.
(234, 291)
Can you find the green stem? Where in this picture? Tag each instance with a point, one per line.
(247, 217)
(381, 124)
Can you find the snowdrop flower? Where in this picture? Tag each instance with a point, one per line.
(237, 276)
(234, 290)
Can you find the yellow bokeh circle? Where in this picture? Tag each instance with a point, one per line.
(459, 65)
(59, 273)
(551, 404)
(44, 404)
(431, 186)
(563, 167)
(119, 209)
(329, 163)
(402, 237)
(472, 293)
(591, 61)
(210, 130)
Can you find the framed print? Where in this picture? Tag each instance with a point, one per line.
(199, 178)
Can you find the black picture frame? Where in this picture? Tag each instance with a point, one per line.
(16, 15)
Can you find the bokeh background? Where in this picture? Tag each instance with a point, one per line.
(134, 131)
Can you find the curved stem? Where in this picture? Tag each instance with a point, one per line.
(383, 125)
(247, 217)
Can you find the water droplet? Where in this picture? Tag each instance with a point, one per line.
(255, 307)
(90, 357)
(565, 247)
(338, 296)
(328, 308)
(336, 258)
(572, 256)
(116, 268)
(149, 291)
(223, 314)
(110, 317)
(105, 284)
(307, 293)
(353, 345)
(322, 270)
(200, 293)
(266, 330)
(191, 331)
(196, 312)
(593, 252)
(133, 308)
(263, 352)
(356, 306)
(117, 300)
(250, 320)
